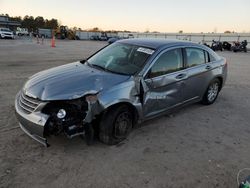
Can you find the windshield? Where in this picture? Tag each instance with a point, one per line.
(121, 58)
(7, 30)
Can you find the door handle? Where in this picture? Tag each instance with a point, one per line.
(208, 67)
(180, 76)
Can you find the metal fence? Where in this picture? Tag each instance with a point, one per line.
(199, 38)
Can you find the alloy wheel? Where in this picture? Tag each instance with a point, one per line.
(213, 91)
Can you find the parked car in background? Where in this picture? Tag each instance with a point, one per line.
(130, 36)
(113, 39)
(94, 37)
(6, 33)
(45, 33)
(103, 38)
(22, 31)
(127, 82)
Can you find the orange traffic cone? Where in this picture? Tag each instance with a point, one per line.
(53, 42)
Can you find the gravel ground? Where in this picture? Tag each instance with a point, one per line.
(197, 146)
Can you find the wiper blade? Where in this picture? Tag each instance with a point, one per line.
(104, 69)
(97, 66)
(92, 65)
(117, 72)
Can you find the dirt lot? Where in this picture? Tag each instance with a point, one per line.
(198, 146)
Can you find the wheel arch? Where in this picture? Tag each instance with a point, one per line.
(220, 78)
(133, 109)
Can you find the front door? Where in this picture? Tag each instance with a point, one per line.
(164, 82)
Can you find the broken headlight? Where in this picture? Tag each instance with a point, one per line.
(61, 114)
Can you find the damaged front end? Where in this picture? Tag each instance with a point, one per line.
(41, 119)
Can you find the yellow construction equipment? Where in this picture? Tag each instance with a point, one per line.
(63, 32)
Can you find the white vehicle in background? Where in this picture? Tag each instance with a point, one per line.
(6, 33)
(22, 31)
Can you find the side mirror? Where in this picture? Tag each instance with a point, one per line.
(83, 61)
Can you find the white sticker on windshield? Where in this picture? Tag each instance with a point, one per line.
(145, 50)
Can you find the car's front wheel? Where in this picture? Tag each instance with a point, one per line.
(212, 92)
(115, 124)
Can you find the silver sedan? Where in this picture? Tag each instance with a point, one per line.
(121, 85)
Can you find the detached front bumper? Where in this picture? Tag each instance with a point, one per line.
(33, 123)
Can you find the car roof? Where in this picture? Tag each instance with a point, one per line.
(156, 43)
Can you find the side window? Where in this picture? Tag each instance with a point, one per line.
(168, 62)
(212, 58)
(195, 57)
(209, 57)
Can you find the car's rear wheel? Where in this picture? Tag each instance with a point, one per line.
(212, 92)
(115, 124)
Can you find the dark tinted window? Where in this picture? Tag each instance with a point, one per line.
(195, 57)
(168, 62)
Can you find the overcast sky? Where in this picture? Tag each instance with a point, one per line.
(139, 15)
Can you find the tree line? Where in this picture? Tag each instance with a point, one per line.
(34, 23)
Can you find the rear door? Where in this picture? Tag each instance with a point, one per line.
(164, 82)
(199, 73)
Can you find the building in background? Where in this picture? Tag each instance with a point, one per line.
(5, 22)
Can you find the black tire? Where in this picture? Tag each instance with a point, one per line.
(115, 125)
(209, 98)
(89, 134)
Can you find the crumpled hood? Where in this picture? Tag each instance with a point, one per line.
(70, 81)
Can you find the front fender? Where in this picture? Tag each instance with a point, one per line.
(122, 93)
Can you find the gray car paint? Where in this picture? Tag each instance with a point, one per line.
(70, 81)
(160, 94)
